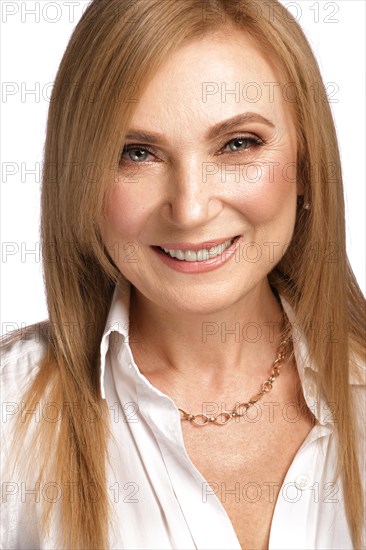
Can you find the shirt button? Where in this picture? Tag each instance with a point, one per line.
(302, 482)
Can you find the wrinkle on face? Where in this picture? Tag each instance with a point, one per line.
(171, 200)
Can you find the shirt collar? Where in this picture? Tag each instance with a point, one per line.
(118, 320)
(301, 349)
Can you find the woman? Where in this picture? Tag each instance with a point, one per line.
(199, 381)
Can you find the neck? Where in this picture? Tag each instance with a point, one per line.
(216, 349)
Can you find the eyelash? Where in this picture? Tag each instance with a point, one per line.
(254, 141)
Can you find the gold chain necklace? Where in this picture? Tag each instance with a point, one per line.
(224, 417)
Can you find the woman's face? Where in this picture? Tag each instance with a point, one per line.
(217, 162)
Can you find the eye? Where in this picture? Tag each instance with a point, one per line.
(242, 143)
(133, 153)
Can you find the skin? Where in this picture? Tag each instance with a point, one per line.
(170, 202)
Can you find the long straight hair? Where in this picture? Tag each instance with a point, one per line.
(113, 53)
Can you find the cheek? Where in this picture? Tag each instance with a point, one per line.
(126, 213)
(267, 190)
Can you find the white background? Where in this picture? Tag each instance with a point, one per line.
(32, 45)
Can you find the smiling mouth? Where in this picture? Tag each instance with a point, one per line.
(200, 255)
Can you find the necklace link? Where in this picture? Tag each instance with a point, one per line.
(202, 419)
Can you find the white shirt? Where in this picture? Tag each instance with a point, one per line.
(159, 498)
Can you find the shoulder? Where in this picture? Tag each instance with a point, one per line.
(21, 355)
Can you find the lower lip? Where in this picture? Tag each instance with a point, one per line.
(198, 267)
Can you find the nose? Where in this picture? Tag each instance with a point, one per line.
(193, 198)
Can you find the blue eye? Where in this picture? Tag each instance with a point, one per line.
(243, 143)
(135, 154)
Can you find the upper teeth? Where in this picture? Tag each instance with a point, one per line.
(199, 255)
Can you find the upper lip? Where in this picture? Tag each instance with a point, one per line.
(195, 246)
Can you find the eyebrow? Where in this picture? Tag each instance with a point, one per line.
(214, 131)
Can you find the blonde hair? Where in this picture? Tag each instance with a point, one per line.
(114, 51)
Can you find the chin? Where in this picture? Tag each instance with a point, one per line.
(203, 300)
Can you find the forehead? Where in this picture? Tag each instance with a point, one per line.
(209, 79)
